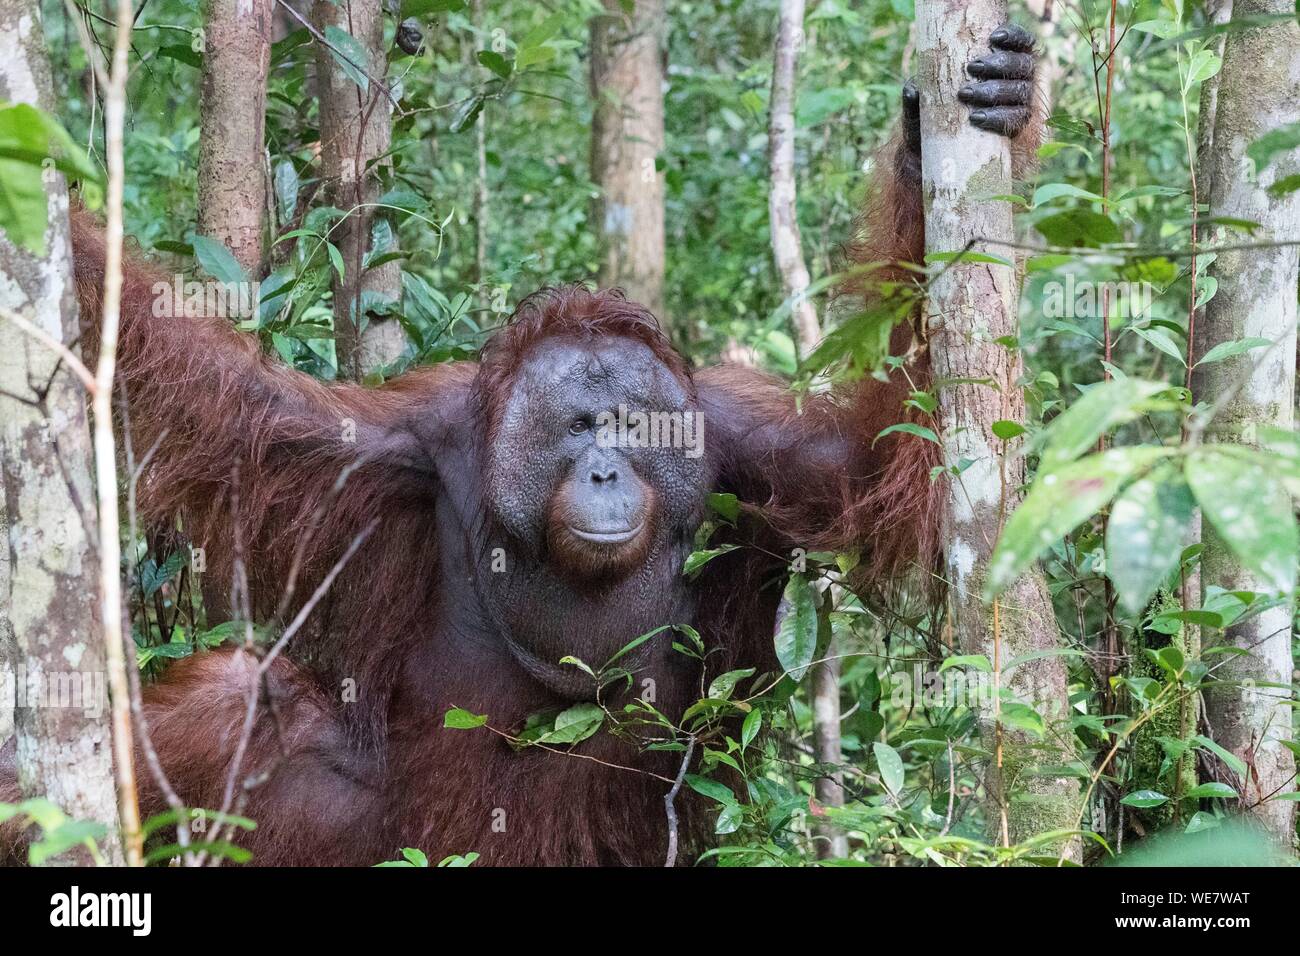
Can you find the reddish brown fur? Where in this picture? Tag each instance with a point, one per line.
(353, 783)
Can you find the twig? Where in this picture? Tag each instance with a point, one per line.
(670, 808)
(110, 552)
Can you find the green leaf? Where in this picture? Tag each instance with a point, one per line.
(729, 819)
(727, 505)
(750, 728)
(711, 789)
(967, 256)
(1006, 430)
(1022, 716)
(796, 626)
(1058, 501)
(1144, 536)
(1097, 411)
(1079, 227)
(575, 724)
(1237, 765)
(1144, 799)
(1161, 340)
(350, 55)
(908, 428)
(1211, 790)
(217, 260)
(1204, 65)
(459, 719)
(976, 661)
(698, 559)
(496, 63)
(1228, 349)
(890, 765)
(1251, 512)
(722, 685)
(466, 115)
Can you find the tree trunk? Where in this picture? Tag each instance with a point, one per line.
(970, 306)
(834, 844)
(356, 129)
(232, 110)
(480, 179)
(64, 746)
(627, 133)
(787, 245)
(1259, 91)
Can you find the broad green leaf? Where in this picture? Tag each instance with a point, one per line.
(574, 724)
(908, 428)
(891, 767)
(1097, 411)
(1057, 502)
(217, 260)
(698, 559)
(711, 788)
(975, 661)
(1228, 349)
(350, 55)
(1237, 765)
(496, 63)
(1204, 65)
(722, 685)
(1079, 227)
(1250, 511)
(1022, 716)
(796, 626)
(1144, 798)
(1144, 536)
(1161, 340)
(459, 719)
(1006, 430)
(750, 728)
(1211, 790)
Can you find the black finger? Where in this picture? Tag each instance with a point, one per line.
(996, 93)
(911, 116)
(1002, 65)
(1003, 120)
(1012, 37)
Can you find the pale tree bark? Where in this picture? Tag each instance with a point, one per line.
(970, 306)
(787, 244)
(356, 130)
(1259, 91)
(627, 134)
(480, 180)
(64, 741)
(834, 842)
(232, 110)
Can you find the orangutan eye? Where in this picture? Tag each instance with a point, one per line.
(579, 426)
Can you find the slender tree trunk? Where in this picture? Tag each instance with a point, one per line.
(834, 844)
(480, 180)
(64, 745)
(232, 110)
(8, 649)
(356, 129)
(1259, 91)
(970, 306)
(627, 134)
(787, 245)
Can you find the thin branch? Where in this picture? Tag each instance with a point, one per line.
(670, 808)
